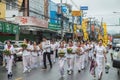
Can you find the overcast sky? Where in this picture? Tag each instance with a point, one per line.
(100, 9)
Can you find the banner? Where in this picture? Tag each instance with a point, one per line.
(2, 10)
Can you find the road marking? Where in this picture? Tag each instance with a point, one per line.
(19, 78)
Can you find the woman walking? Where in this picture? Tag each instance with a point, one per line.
(61, 53)
(34, 55)
(100, 59)
(9, 58)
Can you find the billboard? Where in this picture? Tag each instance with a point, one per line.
(31, 21)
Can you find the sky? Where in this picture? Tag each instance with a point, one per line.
(100, 9)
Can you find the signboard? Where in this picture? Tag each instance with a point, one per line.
(54, 26)
(53, 17)
(64, 9)
(83, 7)
(1, 26)
(9, 28)
(76, 13)
(31, 21)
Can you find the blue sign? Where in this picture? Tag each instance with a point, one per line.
(64, 9)
(83, 7)
(53, 17)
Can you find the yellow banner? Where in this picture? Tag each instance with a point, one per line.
(2, 10)
(76, 13)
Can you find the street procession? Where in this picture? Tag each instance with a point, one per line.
(59, 39)
(76, 54)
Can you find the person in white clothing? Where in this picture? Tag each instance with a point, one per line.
(62, 58)
(71, 57)
(53, 50)
(40, 55)
(26, 57)
(78, 57)
(100, 58)
(34, 55)
(9, 58)
(83, 56)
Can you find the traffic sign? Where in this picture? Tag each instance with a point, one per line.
(76, 13)
(83, 7)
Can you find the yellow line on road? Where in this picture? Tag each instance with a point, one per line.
(19, 78)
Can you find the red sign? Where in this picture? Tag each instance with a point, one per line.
(32, 21)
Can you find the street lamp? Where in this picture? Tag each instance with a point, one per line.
(117, 12)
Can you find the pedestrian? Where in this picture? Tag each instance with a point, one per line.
(61, 52)
(100, 58)
(26, 55)
(71, 56)
(34, 55)
(78, 57)
(53, 49)
(46, 52)
(9, 58)
(40, 55)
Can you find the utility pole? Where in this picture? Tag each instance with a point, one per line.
(62, 18)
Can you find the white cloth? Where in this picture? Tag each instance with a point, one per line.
(46, 46)
(61, 65)
(100, 59)
(25, 52)
(34, 57)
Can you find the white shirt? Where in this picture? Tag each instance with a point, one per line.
(11, 48)
(34, 53)
(53, 47)
(46, 46)
(25, 52)
(100, 51)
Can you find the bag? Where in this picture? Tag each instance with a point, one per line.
(116, 63)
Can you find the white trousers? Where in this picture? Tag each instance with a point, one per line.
(70, 62)
(26, 62)
(83, 61)
(40, 58)
(79, 62)
(100, 65)
(34, 62)
(61, 65)
(53, 56)
(9, 60)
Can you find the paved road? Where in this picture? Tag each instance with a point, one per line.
(53, 74)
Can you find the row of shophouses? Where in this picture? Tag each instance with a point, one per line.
(34, 19)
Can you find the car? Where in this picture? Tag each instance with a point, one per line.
(1, 52)
(115, 43)
(15, 42)
(116, 55)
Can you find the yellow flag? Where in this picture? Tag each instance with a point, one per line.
(2, 10)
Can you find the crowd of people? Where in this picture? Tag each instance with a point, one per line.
(82, 54)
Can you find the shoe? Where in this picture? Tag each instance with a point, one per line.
(79, 71)
(62, 76)
(11, 74)
(70, 72)
(24, 71)
(29, 70)
(8, 76)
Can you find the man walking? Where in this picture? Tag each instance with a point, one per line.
(46, 52)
